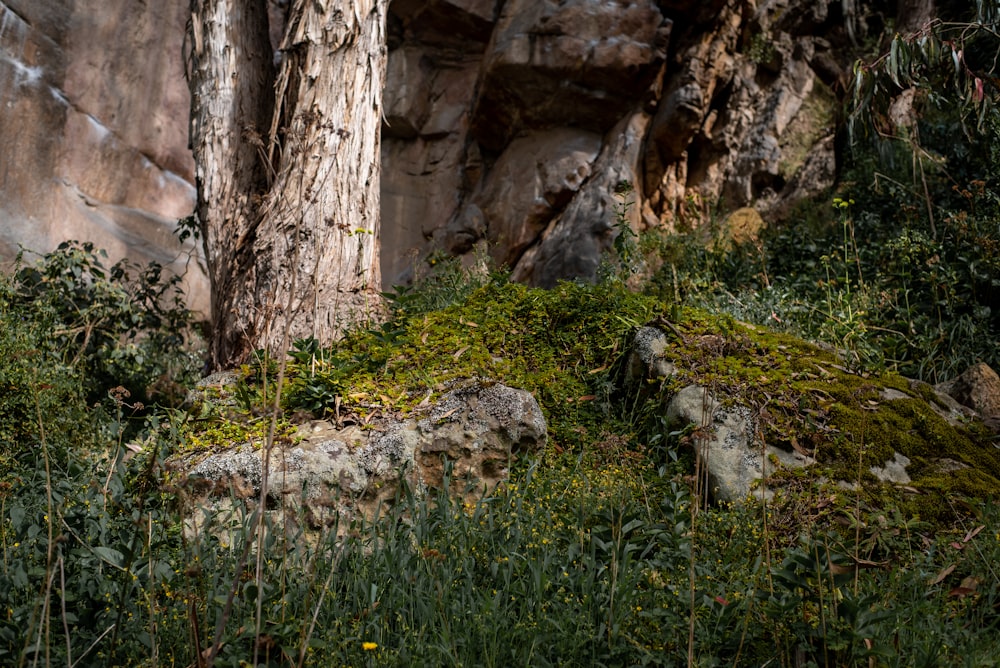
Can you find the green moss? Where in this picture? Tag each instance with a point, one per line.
(563, 345)
(806, 398)
(223, 433)
(568, 346)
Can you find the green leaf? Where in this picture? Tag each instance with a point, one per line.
(894, 60)
(110, 556)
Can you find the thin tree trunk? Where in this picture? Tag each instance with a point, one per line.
(912, 15)
(288, 169)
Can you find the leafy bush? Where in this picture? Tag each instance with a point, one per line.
(37, 390)
(123, 326)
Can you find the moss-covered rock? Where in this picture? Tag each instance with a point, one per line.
(570, 347)
(804, 399)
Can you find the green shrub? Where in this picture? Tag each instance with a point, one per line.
(122, 326)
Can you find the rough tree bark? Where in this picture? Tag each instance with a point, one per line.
(912, 15)
(288, 168)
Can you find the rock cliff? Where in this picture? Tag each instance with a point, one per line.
(508, 123)
(93, 137)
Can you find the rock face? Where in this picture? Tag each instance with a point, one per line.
(552, 104)
(93, 136)
(508, 125)
(330, 476)
(977, 388)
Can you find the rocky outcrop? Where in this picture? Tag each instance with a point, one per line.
(508, 125)
(727, 428)
(93, 136)
(692, 103)
(729, 444)
(329, 476)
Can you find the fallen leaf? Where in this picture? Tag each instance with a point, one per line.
(460, 352)
(798, 448)
(838, 569)
(957, 546)
(973, 533)
(598, 369)
(942, 575)
(587, 397)
(423, 337)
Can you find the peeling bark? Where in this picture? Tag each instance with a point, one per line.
(288, 169)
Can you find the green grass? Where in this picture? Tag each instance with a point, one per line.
(569, 564)
(592, 554)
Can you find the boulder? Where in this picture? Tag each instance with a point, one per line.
(727, 438)
(978, 388)
(647, 358)
(907, 433)
(330, 476)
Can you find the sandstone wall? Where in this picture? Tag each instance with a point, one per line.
(508, 123)
(93, 136)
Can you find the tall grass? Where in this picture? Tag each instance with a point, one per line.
(594, 553)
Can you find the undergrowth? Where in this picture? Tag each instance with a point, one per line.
(899, 266)
(595, 553)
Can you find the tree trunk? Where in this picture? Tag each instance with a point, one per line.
(288, 169)
(912, 15)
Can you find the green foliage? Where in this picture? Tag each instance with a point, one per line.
(561, 344)
(73, 512)
(124, 325)
(626, 261)
(595, 554)
(874, 278)
(950, 62)
(36, 388)
(445, 283)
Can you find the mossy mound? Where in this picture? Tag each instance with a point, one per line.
(848, 419)
(569, 347)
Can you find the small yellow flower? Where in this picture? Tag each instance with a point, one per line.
(369, 646)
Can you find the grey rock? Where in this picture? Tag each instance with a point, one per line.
(893, 470)
(728, 445)
(647, 359)
(332, 476)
